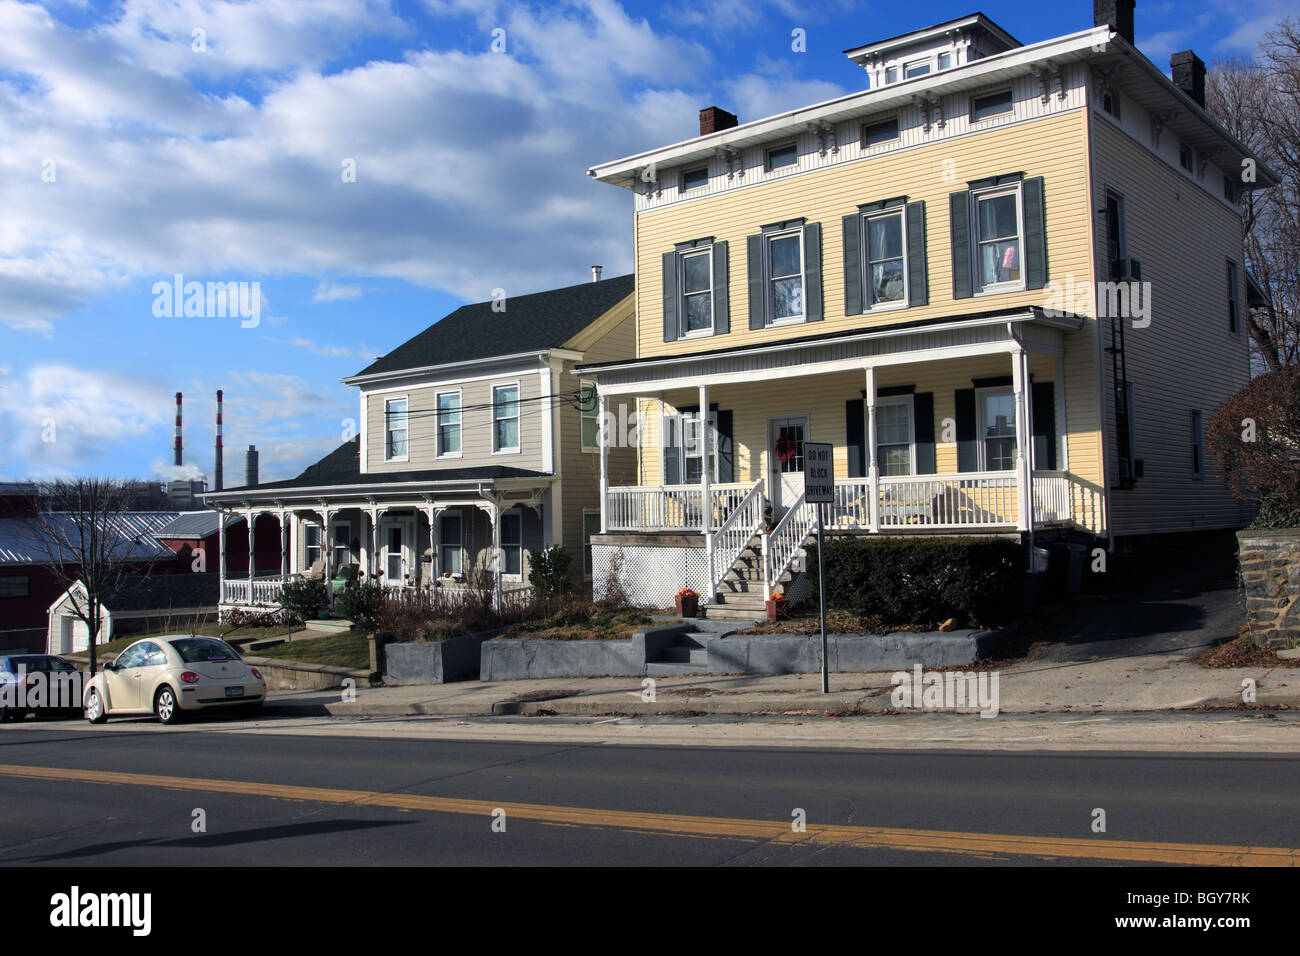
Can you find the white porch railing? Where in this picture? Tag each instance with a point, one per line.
(743, 521)
(1051, 497)
(968, 500)
(261, 592)
(671, 507)
(456, 594)
(782, 545)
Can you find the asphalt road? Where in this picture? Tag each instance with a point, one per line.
(79, 796)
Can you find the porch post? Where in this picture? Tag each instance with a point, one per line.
(873, 468)
(706, 484)
(326, 546)
(221, 556)
(284, 548)
(1024, 492)
(252, 523)
(494, 513)
(430, 514)
(1062, 433)
(604, 463)
(372, 556)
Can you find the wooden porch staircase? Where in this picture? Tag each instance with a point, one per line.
(740, 594)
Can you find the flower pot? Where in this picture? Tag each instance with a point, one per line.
(776, 609)
(688, 605)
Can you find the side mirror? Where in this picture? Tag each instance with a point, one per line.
(110, 666)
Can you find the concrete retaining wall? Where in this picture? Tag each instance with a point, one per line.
(290, 675)
(520, 658)
(850, 653)
(1270, 581)
(434, 662)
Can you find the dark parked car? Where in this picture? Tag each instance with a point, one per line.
(39, 683)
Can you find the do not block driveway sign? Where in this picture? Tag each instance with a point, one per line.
(818, 473)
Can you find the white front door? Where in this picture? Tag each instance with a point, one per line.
(785, 438)
(393, 548)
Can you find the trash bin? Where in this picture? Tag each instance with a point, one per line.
(1076, 557)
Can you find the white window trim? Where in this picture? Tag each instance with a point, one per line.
(1118, 196)
(583, 416)
(682, 187)
(437, 423)
(994, 116)
(444, 546)
(996, 288)
(927, 61)
(307, 525)
(681, 433)
(981, 426)
(769, 279)
(518, 416)
(682, 332)
(335, 524)
(516, 513)
(865, 243)
(898, 132)
(906, 400)
(767, 156)
(588, 573)
(388, 445)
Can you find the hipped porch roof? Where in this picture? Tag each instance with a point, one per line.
(901, 342)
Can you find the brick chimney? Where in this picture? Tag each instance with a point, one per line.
(714, 119)
(1189, 75)
(1117, 14)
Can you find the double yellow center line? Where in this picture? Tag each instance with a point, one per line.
(726, 828)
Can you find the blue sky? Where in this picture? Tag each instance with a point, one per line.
(128, 156)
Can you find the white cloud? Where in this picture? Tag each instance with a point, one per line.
(334, 292)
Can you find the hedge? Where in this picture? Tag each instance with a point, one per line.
(922, 582)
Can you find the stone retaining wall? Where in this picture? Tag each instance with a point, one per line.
(1270, 582)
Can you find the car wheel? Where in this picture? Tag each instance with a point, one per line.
(95, 712)
(166, 706)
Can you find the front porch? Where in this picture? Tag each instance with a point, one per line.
(953, 431)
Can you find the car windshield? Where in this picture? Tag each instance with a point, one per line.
(196, 650)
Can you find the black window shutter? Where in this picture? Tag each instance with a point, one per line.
(726, 450)
(812, 270)
(670, 296)
(757, 292)
(672, 451)
(853, 265)
(721, 300)
(918, 281)
(923, 410)
(1044, 411)
(855, 431)
(967, 453)
(959, 214)
(1035, 233)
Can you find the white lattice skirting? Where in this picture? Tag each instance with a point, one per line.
(651, 577)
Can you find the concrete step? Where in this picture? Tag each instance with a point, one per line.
(732, 612)
(684, 655)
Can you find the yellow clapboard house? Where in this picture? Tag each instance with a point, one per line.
(1006, 282)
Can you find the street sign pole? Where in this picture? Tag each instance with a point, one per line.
(819, 489)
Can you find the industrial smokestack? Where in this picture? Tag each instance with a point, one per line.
(250, 466)
(178, 460)
(217, 469)
(595, 273)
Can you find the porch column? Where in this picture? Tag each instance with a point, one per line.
(325, 549)
(1024, 438)
(431, 515)
(873, 468)
(604, 463)
(221, 556)
(372, 555)
(494, 515)
(252, 523)
(1062, 433)
(705, 477)
(284, 547)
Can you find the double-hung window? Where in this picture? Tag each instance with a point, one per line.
(697, 291)
(998, 248)
(505, 418)
(512, 543)
(885, 258)
(341, 546)
(895, 436)
(996, 408)
(395, 429)
(311, 537)
(785, 276)
(683, 447)
(449, 424)
(1234, 304)
(449, 544)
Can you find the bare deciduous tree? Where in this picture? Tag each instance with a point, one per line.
(1258, 101)
(83, 533)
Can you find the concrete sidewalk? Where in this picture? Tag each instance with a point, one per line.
(1118, 685)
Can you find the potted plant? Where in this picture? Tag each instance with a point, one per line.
(688, 603)
(777, 609)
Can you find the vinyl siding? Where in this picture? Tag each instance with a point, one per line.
(1183, 234)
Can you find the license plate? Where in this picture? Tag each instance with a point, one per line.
(234, 692)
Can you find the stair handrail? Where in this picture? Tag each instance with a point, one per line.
(782, 543)
(733, 536)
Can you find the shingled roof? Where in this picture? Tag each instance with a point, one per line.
(536, 322)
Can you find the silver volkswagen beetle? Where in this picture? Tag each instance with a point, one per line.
(171, 675)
